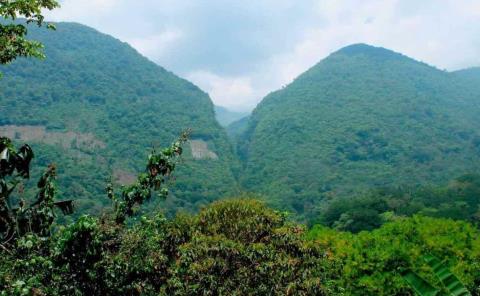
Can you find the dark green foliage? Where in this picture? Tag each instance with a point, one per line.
(354, 214)
(95, 106)
(188, 255)
(459, 200)
(12, 161)
(76, 251)
(21, 219)
(364, 117)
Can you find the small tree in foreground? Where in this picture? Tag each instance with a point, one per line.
(13, 41)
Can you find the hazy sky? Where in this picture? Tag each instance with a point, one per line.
(239, 51)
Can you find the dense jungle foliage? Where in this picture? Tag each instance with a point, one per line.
(230, 248)
(235, 247)
(364, 117)
(95, 106)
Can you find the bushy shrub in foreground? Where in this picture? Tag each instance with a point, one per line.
(234, 247)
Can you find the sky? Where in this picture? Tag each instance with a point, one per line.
(239, 51)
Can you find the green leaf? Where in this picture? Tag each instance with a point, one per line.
(454, 286)
(421, 286)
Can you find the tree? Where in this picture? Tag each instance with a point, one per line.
(13, 41)
(37, 217)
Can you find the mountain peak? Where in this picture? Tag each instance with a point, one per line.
(365, 49)
(361, 111)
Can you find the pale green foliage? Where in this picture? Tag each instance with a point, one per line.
(372, 263)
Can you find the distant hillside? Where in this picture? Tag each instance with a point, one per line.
(471, 75)
(363, 117)
(237, 128)
(95, 106)
(225, 116)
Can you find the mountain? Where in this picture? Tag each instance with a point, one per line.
(363, 117)
(95, 107)
(225, 116)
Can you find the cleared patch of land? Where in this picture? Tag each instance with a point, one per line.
(200, 150)
(68, 140)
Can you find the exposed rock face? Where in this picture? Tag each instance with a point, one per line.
(200, 150)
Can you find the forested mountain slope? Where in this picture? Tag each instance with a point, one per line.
(364, 117)
(95, 107)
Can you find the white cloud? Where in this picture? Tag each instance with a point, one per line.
(231, 92)
(75, 9)
(156, 45)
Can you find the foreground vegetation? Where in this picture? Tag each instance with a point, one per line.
(374, 263)
(235, 247)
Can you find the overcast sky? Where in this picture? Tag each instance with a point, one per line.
(239, 51)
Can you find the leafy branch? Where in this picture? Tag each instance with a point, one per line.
(37, 217)
(13, 41)
(159, 169)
